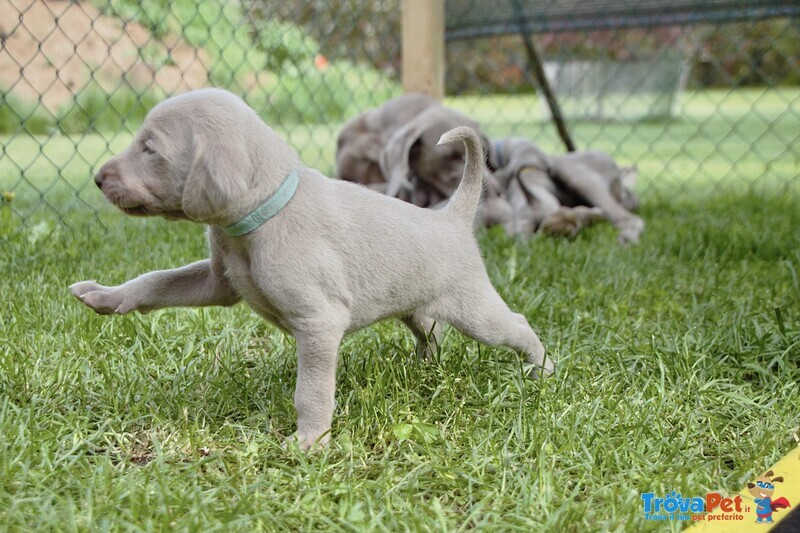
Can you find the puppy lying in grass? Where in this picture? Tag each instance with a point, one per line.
(319, 258)
(562, 194)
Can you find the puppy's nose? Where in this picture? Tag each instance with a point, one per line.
(105, 173)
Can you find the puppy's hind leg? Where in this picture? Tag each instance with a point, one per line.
(427, 333)
(484, 316)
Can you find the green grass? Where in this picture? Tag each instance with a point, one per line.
(19, 117)
(677, 369)
(677, 358)
(94, 109)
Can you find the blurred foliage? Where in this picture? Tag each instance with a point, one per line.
(368, 31)
(216, 26)
(749, 53)
(268, 35)
(758, 53)
(284, 44)
(277, 63)
(362, 31)
(94, 109)
(18, 116)
(321, 61)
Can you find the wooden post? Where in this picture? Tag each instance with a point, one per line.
(423, 47)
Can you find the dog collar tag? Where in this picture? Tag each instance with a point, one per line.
(271, 207)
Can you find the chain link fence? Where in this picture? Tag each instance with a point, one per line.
(703, 103)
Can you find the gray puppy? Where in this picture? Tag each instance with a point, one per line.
(362, 139)
(393, 149)
(562, 194)
(319, 258)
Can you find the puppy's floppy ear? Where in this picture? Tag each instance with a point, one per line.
(490, 150)
(220, 173)
(358, 152)
(621, 188)
(751, 485)
(487, 149)
(394, 156)
(778, 479)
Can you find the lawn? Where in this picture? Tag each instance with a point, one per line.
(677, 363)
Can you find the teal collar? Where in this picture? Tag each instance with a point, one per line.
(271, 207)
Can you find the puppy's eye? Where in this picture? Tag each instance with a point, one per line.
(148, 149)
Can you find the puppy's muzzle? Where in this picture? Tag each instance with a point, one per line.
(107, 172)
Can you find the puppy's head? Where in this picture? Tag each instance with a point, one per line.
(435, 163)
(622, 188)
(357, 158)
(414, 150)
(190, 159)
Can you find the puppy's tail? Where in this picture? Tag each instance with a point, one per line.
(464, 202)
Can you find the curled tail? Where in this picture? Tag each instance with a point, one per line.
(464, 202)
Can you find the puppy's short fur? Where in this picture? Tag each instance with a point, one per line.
(337, 258)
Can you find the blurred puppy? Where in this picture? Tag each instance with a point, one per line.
(394, 149)
(562, 194)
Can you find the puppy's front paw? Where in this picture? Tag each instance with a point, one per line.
(104, 300)
(307, 443)
(630, 229)
(544, 371)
